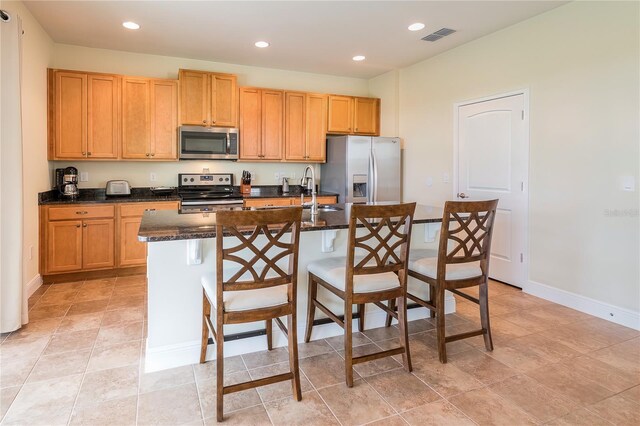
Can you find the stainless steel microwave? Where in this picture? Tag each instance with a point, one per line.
(208, 143)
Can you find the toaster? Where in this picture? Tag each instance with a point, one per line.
(118, 187)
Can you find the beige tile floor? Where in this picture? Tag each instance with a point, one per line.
(80, 361)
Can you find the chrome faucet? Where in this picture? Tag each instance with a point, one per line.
(314, 199)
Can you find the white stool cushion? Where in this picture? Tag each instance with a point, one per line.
(247, 299)
(333, 270)
(425, 262)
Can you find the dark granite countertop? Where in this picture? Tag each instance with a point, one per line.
(141, 195)
(171, 225)
(97, 195)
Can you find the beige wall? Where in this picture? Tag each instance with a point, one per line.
(580, 63)
(137, 173)
(386, 87)
(37, 50)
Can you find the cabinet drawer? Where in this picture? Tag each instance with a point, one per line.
(137, 209)
(267, 202)
(326, 199)
(81, 212)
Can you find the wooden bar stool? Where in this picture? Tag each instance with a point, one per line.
(374, 270)
(462, 261)
(250, 286)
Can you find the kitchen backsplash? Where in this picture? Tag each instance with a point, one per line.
(142, 174)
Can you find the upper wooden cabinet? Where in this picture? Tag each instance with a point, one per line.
(353, 115)
(208, 99)
(305, 127)
(84, 115)
(149, 119)
(261, 124)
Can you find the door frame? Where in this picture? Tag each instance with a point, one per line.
(527, 137)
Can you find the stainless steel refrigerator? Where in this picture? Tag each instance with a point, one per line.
(362, 169)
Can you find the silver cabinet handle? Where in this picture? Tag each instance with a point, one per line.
(462, 195)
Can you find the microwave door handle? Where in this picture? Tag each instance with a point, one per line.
(228, 143)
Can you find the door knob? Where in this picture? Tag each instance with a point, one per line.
(462, 195)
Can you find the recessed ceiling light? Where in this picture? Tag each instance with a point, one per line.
(262, 44)
(416, 27)
(358, 58)
(130, 25)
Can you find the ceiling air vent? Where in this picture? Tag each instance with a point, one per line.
(438, 34)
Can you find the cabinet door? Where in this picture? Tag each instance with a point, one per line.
(98, 238)
(103, 116)
(70, 115)
(194, 97)
(316, 127)
(164, 120)
(224, 101)
(64, 246)
(340, 114)
(250, 124)
(136, 118)
(272, 124)
(366, 117)
(294, 126)
(132, 251)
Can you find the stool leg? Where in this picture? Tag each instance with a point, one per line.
(442, 346)
(391, 304)
(293, 354)
(361, 317)
(404, 332)
(219, 371)
(432, 290)
(348, 348)
(269, 328)
(484, 315)
(206, 311)
(311, 307)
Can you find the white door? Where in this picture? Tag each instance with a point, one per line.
(493, 158)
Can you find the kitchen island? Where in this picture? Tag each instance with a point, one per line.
(181, 249)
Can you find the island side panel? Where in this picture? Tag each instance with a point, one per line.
(175, 300)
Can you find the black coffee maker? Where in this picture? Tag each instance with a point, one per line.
(67, 181)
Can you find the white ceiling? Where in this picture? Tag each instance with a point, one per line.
(312, 36)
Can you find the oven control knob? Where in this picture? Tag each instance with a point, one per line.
(191, 179)
(227, 179)
(220, 179)
(185, 179)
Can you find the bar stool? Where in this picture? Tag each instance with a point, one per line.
(374, 270)
(462, 261)
(250, 286)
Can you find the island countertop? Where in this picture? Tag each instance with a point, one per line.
(171, 225)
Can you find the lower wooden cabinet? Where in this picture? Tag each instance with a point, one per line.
(89, 237)
(290, 201)
(74, 245)
(132, 252)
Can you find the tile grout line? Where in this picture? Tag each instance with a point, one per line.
(84, 375)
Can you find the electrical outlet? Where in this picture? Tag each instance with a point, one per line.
(153, 177)
(254, 176)
(429, 181)
(277, 176)
(292, 176)
(445, 177)
(84, 176)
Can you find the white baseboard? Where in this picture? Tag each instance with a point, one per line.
(33, 285)
(603, 310)
(165, 357)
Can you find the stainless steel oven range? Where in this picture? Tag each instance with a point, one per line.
(207, 192)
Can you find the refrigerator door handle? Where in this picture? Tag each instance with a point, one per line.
(374, 188)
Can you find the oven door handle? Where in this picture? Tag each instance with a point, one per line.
(211, 203)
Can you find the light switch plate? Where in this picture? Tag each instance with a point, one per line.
(445, 177)
(84, 176)
(153, 177)
(628, 183)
